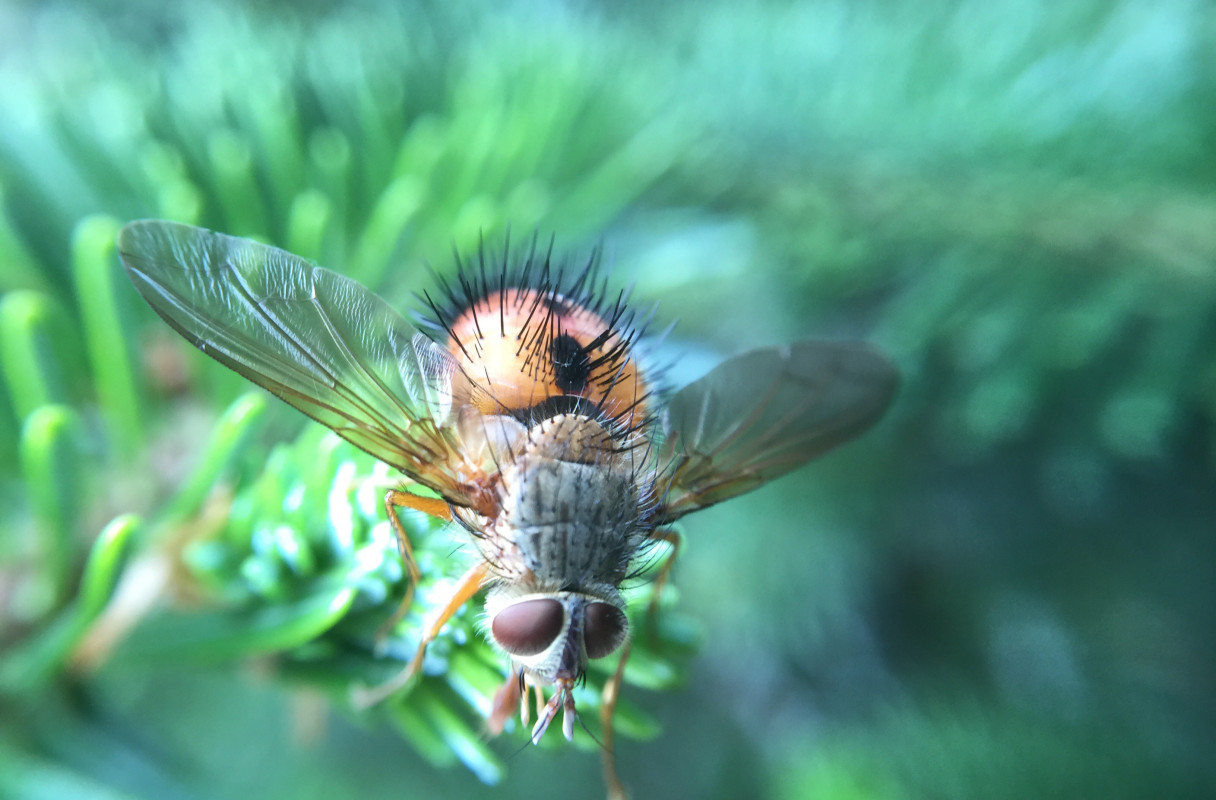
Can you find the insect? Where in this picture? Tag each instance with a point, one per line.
(529, 414)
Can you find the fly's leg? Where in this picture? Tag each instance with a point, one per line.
(674, 539)
(612, 688)
(469, 584)
(612, 692)
(433, 506)
(512, 694)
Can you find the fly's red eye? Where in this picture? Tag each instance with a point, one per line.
(528, 627)
(603, 629)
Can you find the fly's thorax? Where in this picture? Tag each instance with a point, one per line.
(571, 524)
(580, 439)
(552, 635)
(573, 505)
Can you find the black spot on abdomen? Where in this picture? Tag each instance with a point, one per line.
(571, 364)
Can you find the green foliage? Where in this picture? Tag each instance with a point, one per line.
(1014, 199)
(363, 162)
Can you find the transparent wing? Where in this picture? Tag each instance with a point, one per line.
(320, 341)
(761, 414)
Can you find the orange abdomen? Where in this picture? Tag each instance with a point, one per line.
(525, 347)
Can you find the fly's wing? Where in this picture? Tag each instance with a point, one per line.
(761, 414)
(320, 341)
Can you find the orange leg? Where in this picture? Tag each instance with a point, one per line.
(612, 692)
(612, 688)
(468, 586)
(674, 539)
(512, 694)
(393, 500)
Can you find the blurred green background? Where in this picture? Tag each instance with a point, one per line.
(1005, 590)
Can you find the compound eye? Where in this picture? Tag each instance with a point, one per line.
(529, 626)
(604, 629)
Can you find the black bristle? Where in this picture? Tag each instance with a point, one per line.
(483, 289)
(555, 287)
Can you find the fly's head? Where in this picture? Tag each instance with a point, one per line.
(551, 636)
